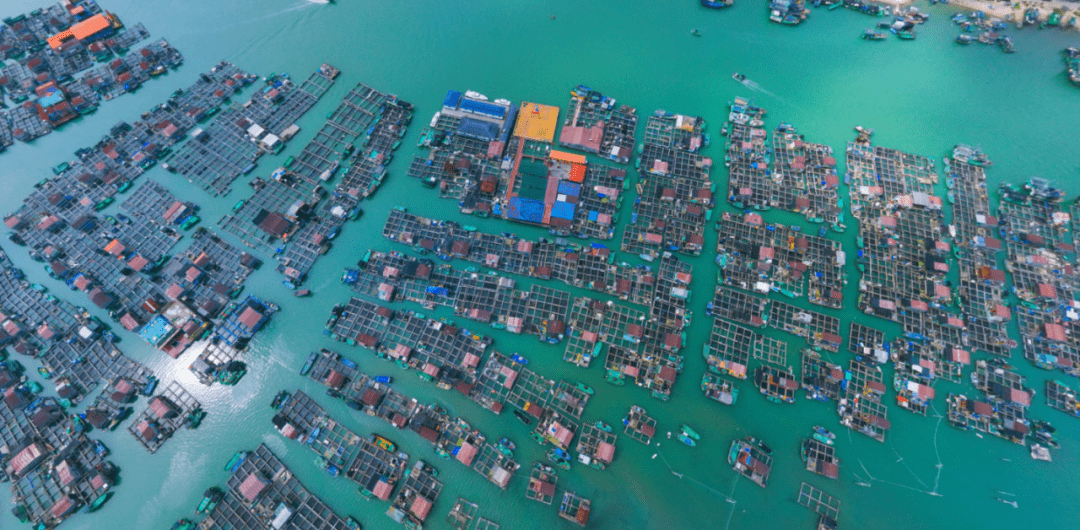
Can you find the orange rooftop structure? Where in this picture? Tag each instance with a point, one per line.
(537, 122)
(97, 26)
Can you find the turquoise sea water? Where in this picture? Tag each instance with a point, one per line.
(922, 96)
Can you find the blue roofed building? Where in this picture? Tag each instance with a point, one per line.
(477, 129)
(158, 331)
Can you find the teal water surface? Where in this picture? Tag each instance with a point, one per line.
(922, 97)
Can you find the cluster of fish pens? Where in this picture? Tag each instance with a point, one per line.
(53, 466)
(262, 492)
(642, 343)
(53, 75)
(292, 214)
(171, 299)
(936, 275)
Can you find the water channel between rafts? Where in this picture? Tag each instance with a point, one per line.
(922, 97)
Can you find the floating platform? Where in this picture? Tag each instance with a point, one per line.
(575, 509)
(778, 385)
(719, 389)
(822, 380)
(542, 482)
(418, 493)
(596, 445)
(821, 503)
(750, 459)
(260, 490)
(1061, 397)
(167, 412)
(821, 459)
(861, 408)
(639, 426)
(463, 516)
(230, 146)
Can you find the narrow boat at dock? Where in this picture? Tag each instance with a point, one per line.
(559, 457)
(823, 439)
(309, 364)
(719, 389)
(823, 435)
(279, 400)
(211, 498)
(507, 447)
(523, 417)
(195, 418)
(236, 460)
(383, 443)
(98, 502)
(585, 388)
(184, 524)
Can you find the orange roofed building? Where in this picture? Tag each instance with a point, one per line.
(96, 27)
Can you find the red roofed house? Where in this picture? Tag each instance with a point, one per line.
(250, 318)
(252, 486)
(1055, 332)
(382, 490)
(163, 408)
(672, 341)
(559, 435)
(334, 379)
(65, 472)
(466, 453)
(1020, 397)
(62, 507)
(605, 452)
(138, 263)
(26, 459)
(420, 507)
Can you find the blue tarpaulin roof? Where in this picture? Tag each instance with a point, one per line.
(156, 330)
(593, 215)
(569, 188)
(51, 97)
(527, 210)
(483, 107)
(452, 99)
(480, 130)
(562, 210)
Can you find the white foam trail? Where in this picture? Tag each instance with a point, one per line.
(753, 85)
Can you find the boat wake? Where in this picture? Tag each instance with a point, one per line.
(753, 85)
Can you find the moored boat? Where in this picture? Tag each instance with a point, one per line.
(523, 417)
(236, 460)
(279, 400)
(211, 497)
(690, 432)
(559, 457)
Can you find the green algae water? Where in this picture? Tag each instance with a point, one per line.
(922, 97)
